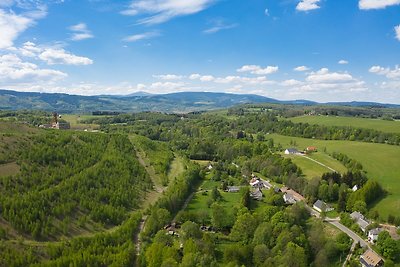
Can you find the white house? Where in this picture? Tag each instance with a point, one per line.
(289, 199)
(320, 206)
(355, 188)
(373, 234)
(291, 151)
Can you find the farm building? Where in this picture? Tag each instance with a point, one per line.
(371, 259)
(321, 206)
(311, 149)
(291, 151)
(293, 193)
(256, 194)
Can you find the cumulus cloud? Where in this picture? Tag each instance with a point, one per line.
(80, 32)
(325, 76)
(141, 36)
(51, 55)
(301, 68)
(388, 72)
(160, 11)
(258, 70)
(291, 83)
(14, 70)
(343, 62)
(377, 4)
(168, 77)
(307, 5)
(60, 56)
(397, 32)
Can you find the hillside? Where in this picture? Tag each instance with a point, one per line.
(175, 102)
(181, 102)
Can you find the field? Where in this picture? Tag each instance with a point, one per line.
(75, 121)
(379, 160)
(312, 169)
(376, 124)
(11, 168)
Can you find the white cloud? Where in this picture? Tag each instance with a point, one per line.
(291, 83)
(397, 31)
(307, 5)
(301, 68)
(388, 72)
(80, 32)
(60, 56)
(168, 77)
(377, 4)
(142, 36)
(13, 24)
(325, 76)
(266, 12)
(255, 69)
(343, 62)
(14, 70)
(163, 10)
(219, 27)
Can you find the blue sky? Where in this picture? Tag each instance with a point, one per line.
(322, 50)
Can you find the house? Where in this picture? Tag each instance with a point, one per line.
(311, 149)
(210, 167)
(295, 195)
(256, 183)
(355, 188)
(373, 234)
(256, 194)
(232, 189)
(360, 220)
(321, 206)
(291, 151)
(289, 199)
(371, 259)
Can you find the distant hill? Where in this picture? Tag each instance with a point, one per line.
(141, 101)
(175, 102)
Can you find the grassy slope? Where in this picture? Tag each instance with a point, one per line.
(75, 121)
(379, 160)
(310, 169)
(381, 125)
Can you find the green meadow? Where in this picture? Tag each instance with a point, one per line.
(381, 161)
(376, 124)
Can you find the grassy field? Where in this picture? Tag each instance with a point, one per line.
(381, 125)
(379, 160)
(75, 121)
(312, 169)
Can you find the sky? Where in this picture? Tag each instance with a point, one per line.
(320, 50)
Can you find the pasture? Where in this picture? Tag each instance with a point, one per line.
(381, 162)
(376, 124)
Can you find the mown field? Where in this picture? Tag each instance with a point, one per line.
(76, 121)
(379, 160)
(312, 169)
(376, 124)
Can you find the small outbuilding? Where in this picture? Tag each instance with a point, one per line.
(321, 206)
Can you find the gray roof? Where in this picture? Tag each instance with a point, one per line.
(292, 150)
(375, 231)
(320, 204)
(363, 223)
(356, 215)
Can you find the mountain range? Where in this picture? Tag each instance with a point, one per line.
(141, 101)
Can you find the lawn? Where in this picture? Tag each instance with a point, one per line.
(377, 124)
(381, 162)
(310, 168)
